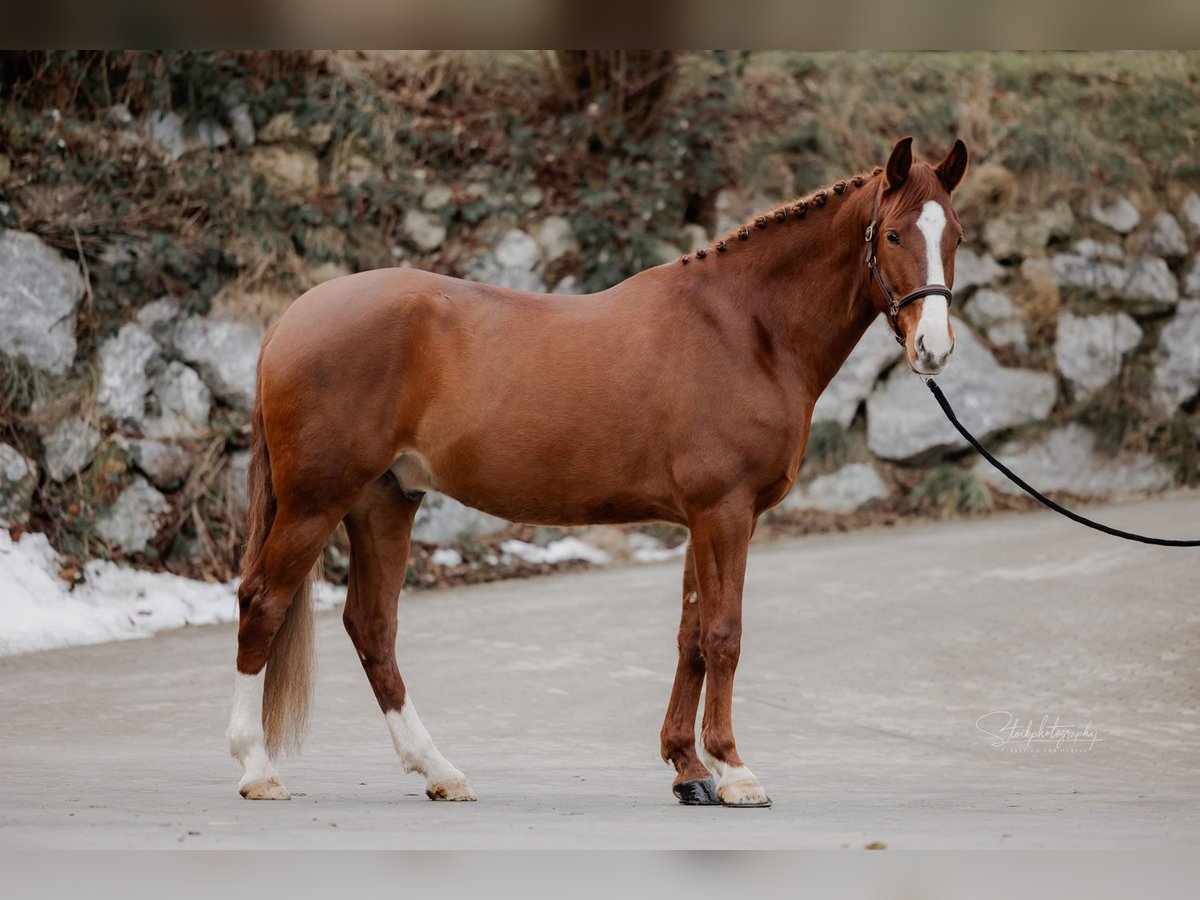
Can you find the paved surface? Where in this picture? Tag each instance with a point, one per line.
(868, 661)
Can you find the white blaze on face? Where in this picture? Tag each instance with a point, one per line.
(933, 329)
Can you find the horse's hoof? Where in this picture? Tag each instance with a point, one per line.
(270, 789)
(701, 792)
(744, 795)
(450, 790)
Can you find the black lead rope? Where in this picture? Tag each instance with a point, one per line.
(1034, 492)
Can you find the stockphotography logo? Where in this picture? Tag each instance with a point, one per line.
(1013, 734)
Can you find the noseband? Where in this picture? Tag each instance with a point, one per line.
(893, 305)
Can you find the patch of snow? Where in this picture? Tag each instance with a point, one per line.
(446, 556)
(39, 611)
(562, 550)
(644, 548)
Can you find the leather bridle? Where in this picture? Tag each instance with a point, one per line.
(893, 305)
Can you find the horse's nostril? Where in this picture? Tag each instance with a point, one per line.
(920, 343)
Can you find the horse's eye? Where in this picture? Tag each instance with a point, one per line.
(893, 238)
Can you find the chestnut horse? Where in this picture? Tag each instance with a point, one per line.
(682, 394)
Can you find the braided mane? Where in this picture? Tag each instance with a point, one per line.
(796, 209)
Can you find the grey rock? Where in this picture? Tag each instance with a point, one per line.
(242, 125)
(1190, 208)
(1146, 282)
(1118, 214)
(845, 490)
(904, 422)
(1013, 334)
(516, 262)
(225, 352)
(39, 294)
(184, 402)
(437, 196)
(1058, 220)
(1151, 282)
(972, 270)
(555, 237)
(165, 129)
(1177, 375)
(850, 386)
(135, 517)
(210, 135)
(517, 250)
(67, 447)
(989, 306)
(159, 316)
(426, 231)
(443, 520)
(119, 116)
(166, 463)
(999, 318)
(122, 363)
(18, 478)
(1089, 350)
(1166, 237)
(1018, 234)
(1066, 460)
(1191, 281)
(1093, 249)
(533, 196)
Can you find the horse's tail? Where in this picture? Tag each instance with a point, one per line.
(288, 684)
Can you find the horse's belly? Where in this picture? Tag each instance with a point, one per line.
(520, 489)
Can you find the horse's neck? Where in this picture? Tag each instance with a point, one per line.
(808, 280)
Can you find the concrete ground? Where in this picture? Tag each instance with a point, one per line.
(868, 661)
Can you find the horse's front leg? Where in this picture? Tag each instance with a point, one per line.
(720, 545)
(694, 785)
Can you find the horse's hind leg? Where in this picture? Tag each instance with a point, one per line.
(380, 529)
(275, 624)
(694, 785)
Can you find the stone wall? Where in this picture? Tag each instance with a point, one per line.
(1067, 318)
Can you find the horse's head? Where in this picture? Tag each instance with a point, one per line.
(913, 243)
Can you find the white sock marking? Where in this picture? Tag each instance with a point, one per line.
(245, 733)
(416, 749)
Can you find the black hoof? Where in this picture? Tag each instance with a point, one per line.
(697, 793)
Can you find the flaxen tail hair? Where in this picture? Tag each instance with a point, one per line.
(288, 686)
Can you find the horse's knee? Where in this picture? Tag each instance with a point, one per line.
(722, 644)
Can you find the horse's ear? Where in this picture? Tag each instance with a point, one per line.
(950, 170)
(899, 163)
